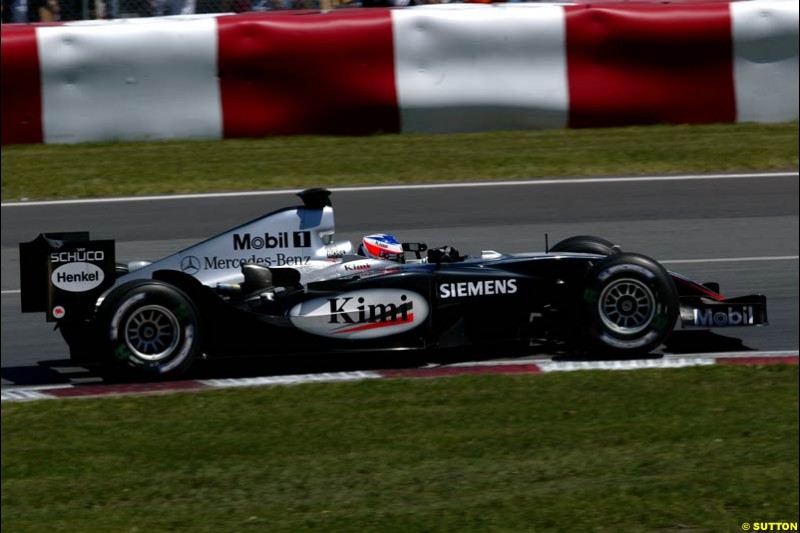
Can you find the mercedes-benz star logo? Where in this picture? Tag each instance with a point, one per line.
(190, 264)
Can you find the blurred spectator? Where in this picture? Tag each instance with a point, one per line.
(271, 5)
(328, 5)
(67, 10)
(49, 10)
(405, 3)
(20, 11)
(174, 7)
(236, 6)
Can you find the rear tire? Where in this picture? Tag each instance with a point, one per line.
(151, 328)
(630, 306)
(586, 244)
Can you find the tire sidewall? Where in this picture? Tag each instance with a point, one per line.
(650, 274)
(586, 244)
(168, 298)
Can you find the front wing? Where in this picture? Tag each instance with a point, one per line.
(705, 312)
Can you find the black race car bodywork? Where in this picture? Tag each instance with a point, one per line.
(280, 285)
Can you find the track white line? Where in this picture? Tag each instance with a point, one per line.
(740, 355)
(38, 387)
(671, 261)
(325, 377)
(539, 359)
(634, 364)
(733, 259)
(461, 185)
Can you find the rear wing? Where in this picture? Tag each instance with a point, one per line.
(63, 274)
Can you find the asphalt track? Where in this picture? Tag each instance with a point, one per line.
(740, 232)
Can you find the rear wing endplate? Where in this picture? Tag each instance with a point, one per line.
(63, 274)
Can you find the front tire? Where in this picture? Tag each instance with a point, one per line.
(152, 329)
(630, 306)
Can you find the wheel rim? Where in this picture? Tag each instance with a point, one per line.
(627, 306)
(152, 332)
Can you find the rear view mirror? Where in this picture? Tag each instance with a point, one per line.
(415, 248)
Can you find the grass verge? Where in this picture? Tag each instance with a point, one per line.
(696, 449)
(91, 170)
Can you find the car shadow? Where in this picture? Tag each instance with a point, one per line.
(680, 342)
(703, 341)
(63, 371)
(54, 372)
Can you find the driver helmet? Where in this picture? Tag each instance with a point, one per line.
(381, 246)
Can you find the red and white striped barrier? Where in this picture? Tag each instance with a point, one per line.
(430, 69)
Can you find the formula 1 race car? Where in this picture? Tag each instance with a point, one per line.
(281, 285)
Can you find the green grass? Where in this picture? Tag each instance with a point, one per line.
(697, 449)
(90, 170)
